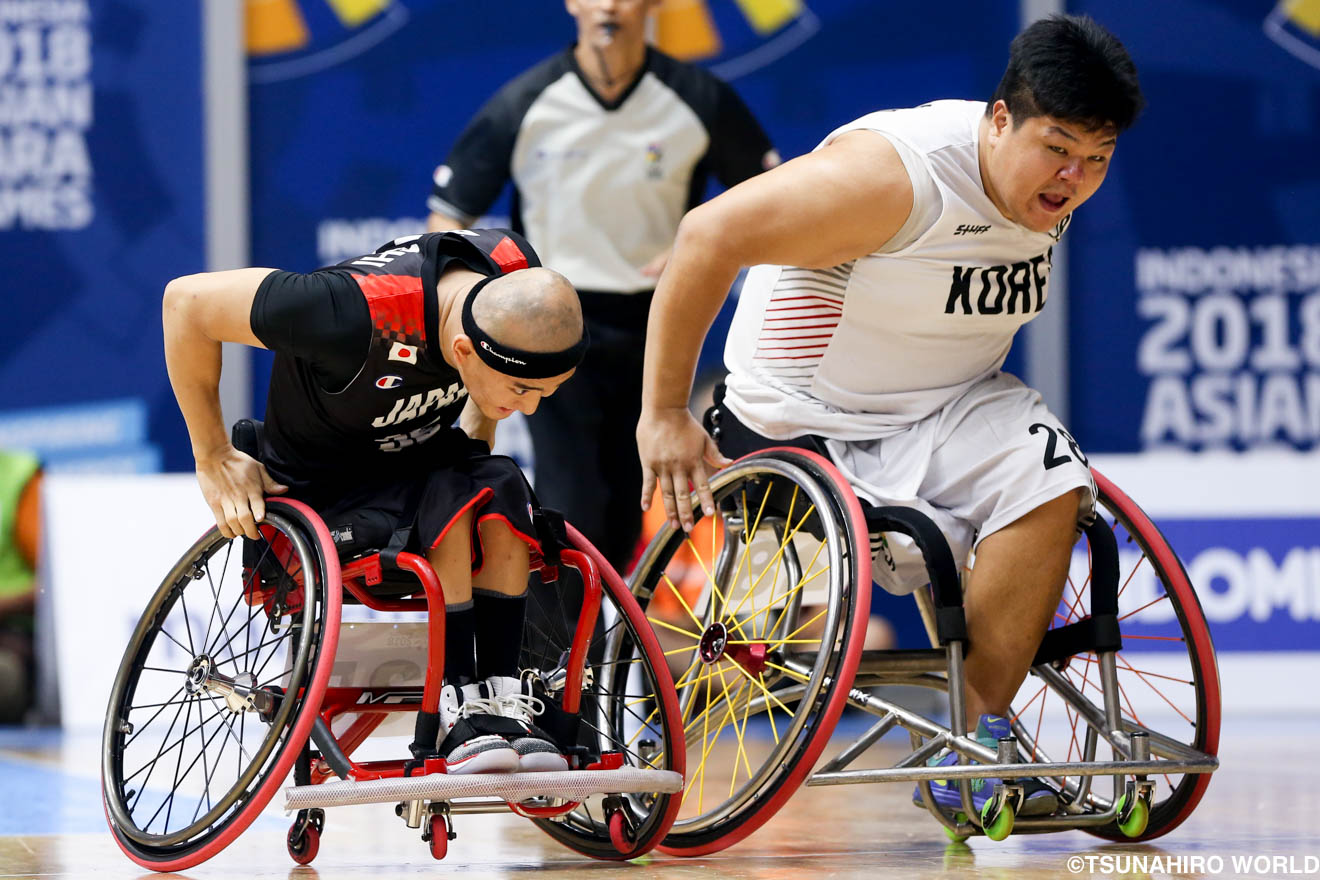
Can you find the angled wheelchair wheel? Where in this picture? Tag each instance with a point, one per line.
(627, 707)
(218, 688)
(762, 610)
(1168, 680)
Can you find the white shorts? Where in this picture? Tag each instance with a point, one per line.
(984, 460)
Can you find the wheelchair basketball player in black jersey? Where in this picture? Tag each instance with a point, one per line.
(390, 373)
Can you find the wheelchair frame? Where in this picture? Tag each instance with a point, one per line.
(304, 602)
(798, 678)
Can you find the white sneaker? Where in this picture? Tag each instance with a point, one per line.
(513, 699)
(473, 752)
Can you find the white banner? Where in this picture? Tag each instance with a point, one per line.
(110, 541)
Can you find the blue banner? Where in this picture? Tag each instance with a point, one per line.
(1195, 271)
(1258, 580)
(100, 205)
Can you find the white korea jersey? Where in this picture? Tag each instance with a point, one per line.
(864, 349)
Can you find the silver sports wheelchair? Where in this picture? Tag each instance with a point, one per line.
(763, 610)
(241, 658)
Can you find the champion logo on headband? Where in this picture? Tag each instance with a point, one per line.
(515, 361)
(503, 357)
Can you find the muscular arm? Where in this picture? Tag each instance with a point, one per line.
(816, 211)
(199, 313)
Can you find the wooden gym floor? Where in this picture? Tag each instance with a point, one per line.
(1261, 807)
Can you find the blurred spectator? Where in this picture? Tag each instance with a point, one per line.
(607, 143)
(20, 484)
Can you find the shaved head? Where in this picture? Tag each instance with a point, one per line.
(532, 309)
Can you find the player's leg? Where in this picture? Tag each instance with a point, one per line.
(466, 743)
(499, 599)
(1011, 597)
(500, 602)
(1004, 468)
(504, 539)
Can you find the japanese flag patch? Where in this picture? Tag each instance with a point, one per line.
(405, 353)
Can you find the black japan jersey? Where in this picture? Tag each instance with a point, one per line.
(360, 388)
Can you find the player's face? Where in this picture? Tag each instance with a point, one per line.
(602, 22)
(499, 396)
(1045, 168)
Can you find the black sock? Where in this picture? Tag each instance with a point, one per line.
(499, 622)
(460, 625)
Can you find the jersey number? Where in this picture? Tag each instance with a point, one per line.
(395, 442)
(1052, 436)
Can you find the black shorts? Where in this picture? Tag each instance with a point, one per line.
(366, 516)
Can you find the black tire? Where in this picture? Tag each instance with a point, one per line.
(218, 689)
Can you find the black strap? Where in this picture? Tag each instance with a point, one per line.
(552, 534)
(398, 543)
(735, 439)
(246, 436)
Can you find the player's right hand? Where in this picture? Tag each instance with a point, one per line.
(678, 455)
(235, 486)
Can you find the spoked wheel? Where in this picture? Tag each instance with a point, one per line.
(218, 688)
(1168, 681)
(762, 611)
(627, 701)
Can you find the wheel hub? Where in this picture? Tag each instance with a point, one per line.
(713, 641)
(198, 673)
(240, 693)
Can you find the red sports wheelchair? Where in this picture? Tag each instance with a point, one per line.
(237, 677)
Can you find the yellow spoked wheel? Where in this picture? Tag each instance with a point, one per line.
(761, 612)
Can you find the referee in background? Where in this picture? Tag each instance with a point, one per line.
(608, 143)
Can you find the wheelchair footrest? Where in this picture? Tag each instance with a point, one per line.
(573, 785)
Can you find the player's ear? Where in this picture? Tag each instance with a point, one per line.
(1000, 118)
(462, 348)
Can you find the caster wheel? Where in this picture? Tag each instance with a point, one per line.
(303, 847)
(954, 836)
(997, 819)
(438, 837)
(1132, 819)
(620, 833)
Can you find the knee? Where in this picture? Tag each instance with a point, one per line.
(498, 534)
(458, 535)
